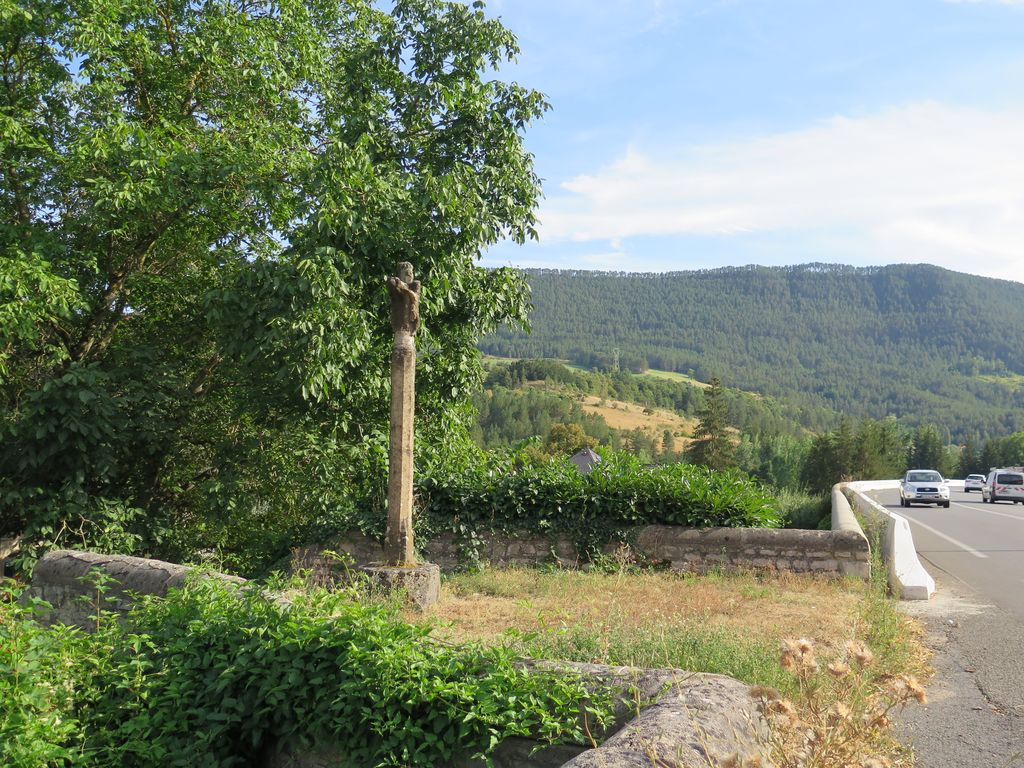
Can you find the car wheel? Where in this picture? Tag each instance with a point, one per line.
(945, 504)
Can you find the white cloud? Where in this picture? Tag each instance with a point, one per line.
(926, 182)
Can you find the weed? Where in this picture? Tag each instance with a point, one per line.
(840, 713)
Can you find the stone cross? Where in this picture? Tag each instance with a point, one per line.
(405, 319)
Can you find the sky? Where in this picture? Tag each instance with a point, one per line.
(693, 135)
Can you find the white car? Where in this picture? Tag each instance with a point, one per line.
(974, 483)
(1004, 485)
(923, 486)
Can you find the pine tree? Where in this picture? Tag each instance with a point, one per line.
(712, 444)
(927, 451)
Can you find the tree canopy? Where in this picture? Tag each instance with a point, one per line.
(712, 444)
(199, 205)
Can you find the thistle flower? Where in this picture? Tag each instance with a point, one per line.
(839, 712)
(916, 690)
(859, 653)
(798, 656)
(764, 692)
(838, 669)
(782, 709)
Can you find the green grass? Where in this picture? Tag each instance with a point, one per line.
(671, 644)
(1012, 381)
(673, 376)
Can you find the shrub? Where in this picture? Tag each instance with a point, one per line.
(503, 494)
(37, 677)
(216, 676)
(800, 509)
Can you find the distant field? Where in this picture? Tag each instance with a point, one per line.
(682, 378)
(490, 360)
(1012, 381)
(654, 421)
(672, 376)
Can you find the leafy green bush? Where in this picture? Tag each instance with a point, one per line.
(502, 493)
(800, 509)
(214, 676)
(37, 676)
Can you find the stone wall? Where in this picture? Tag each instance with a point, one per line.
(64, 579)
(842, 553)
(801, 551)
(447, 551)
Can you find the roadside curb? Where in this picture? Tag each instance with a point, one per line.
(907, 576)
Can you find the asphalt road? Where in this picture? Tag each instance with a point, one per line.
(975, 627)
(981, 545)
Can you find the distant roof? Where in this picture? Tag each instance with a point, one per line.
(585, 460)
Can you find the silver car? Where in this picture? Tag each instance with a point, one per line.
(974, 483)
(923, 486)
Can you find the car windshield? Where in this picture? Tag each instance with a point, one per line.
(1010, 479)
(924, 477)
(975, 477)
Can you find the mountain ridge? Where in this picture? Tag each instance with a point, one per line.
(907, 340)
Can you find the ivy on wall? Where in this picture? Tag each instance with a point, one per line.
(503, 495)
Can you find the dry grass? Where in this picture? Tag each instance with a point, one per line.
(486, 604)
(620, 414)
(731, 624)
(673, 376)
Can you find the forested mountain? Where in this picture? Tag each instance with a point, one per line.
(918, 342)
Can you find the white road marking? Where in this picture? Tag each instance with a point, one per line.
(987, 511)
(950, 539)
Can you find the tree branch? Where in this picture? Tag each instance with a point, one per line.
(105, 319)
(198, 385)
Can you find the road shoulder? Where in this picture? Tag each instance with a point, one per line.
(975, 712)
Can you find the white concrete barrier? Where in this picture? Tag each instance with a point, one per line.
(907, 576)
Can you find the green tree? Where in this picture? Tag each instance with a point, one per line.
(929, 451)
(200, 203)
(969, 462)
(881, 450)
(668, 443)
(712, 444)
(567, 439)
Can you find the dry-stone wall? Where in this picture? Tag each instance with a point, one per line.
(842, 553)
(801, 551)
(64, 579)
(678, 717)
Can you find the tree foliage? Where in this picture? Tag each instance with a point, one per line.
(567, 439)
(200, 203)
(712, 444)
